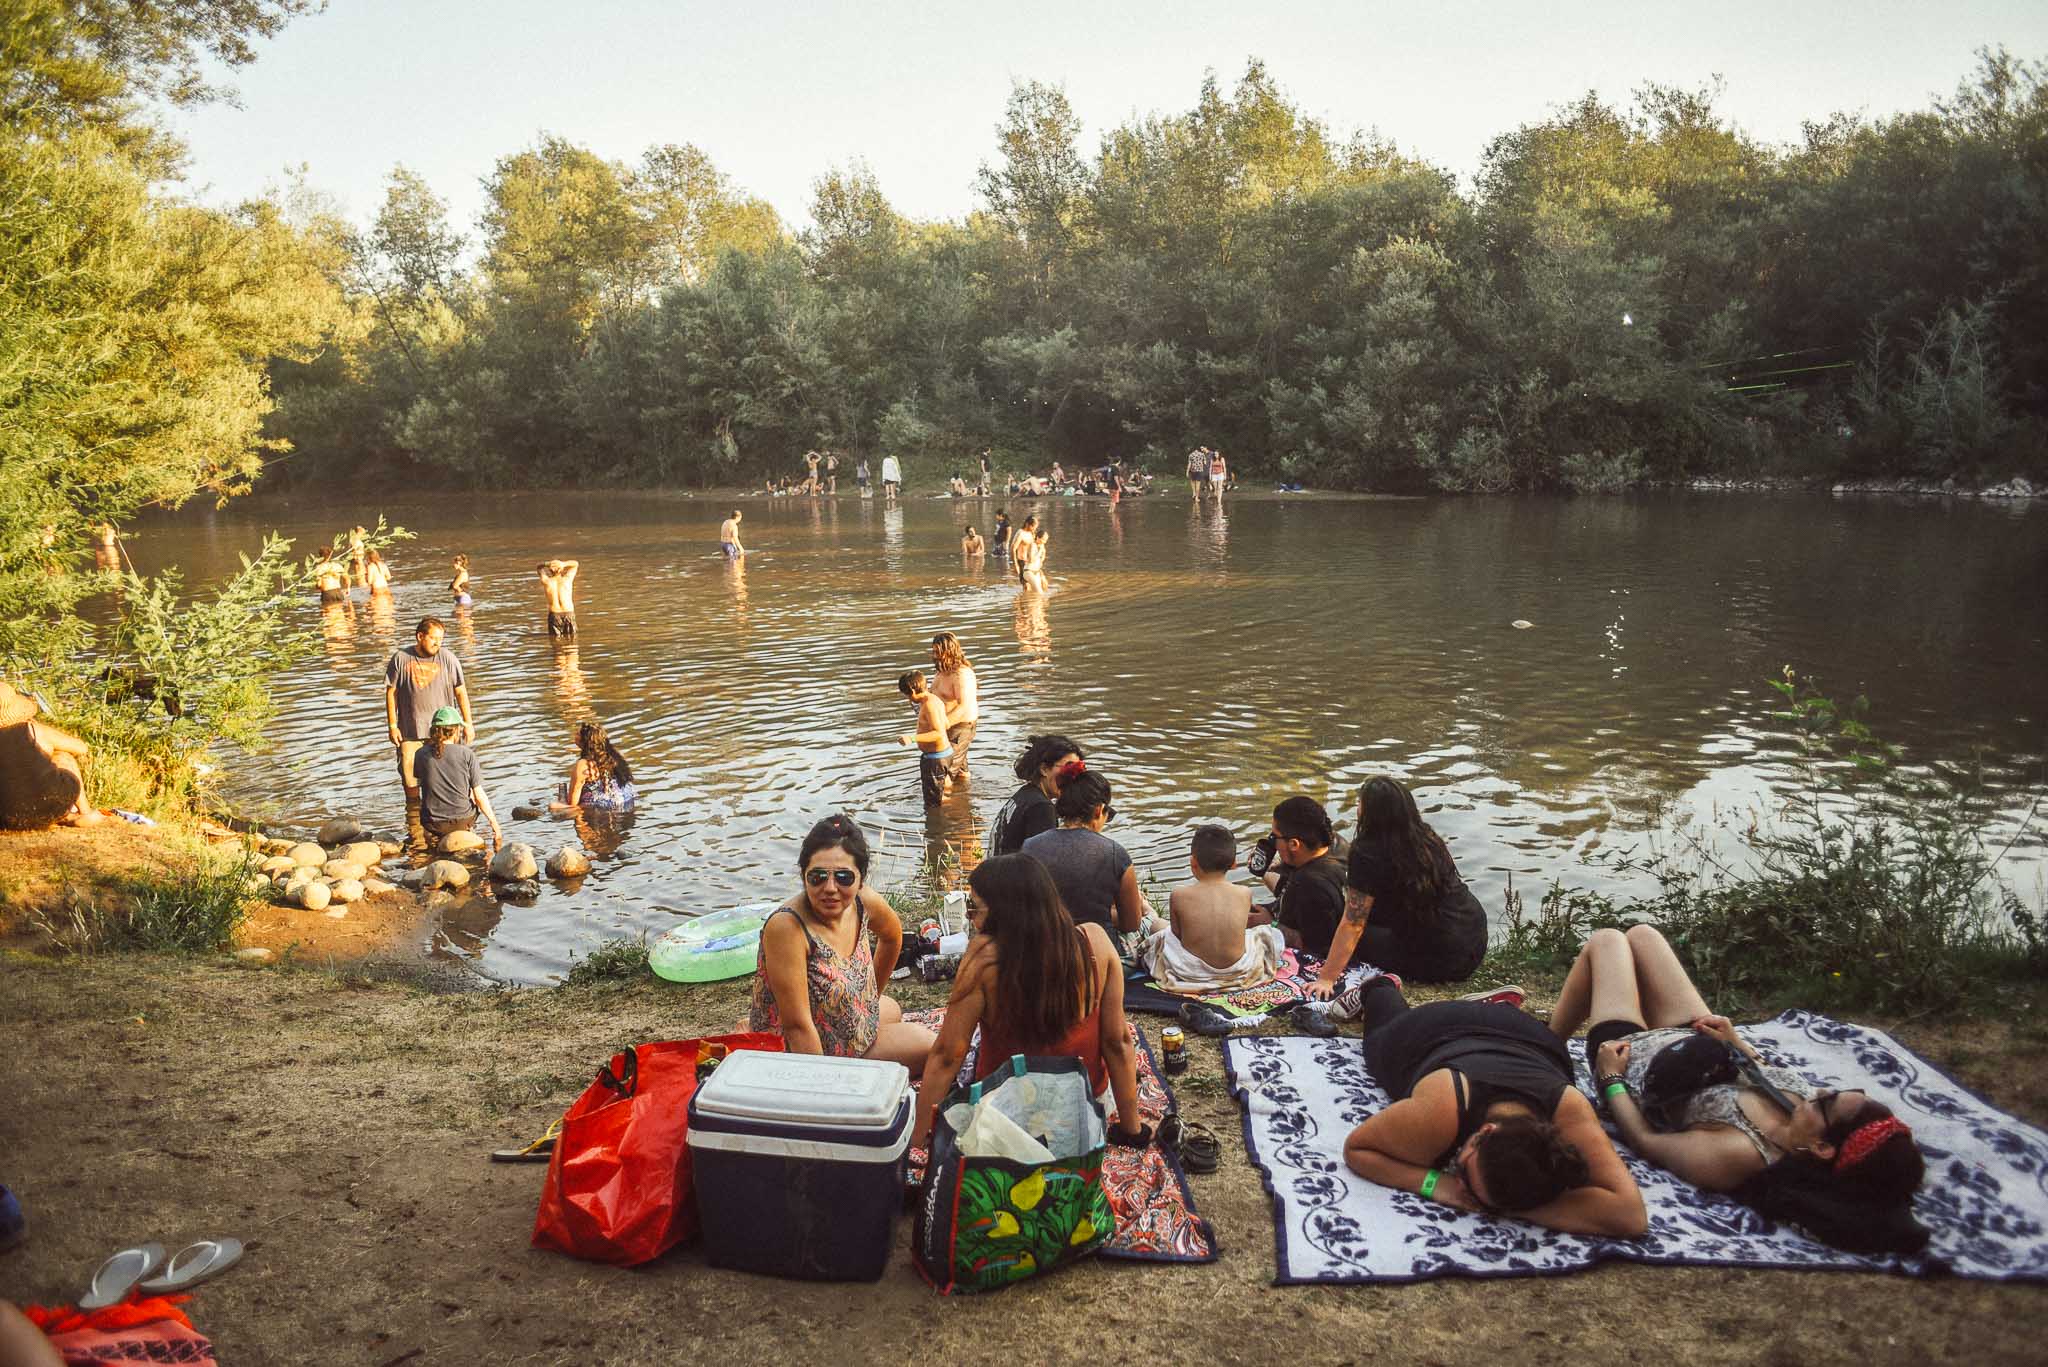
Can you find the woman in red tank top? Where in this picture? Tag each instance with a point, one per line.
(1036, 984)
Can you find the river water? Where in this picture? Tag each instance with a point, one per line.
(1211, 662)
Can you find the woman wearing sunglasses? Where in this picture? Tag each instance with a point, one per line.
(1094, 874)
(824, 955)
(1838, 1164)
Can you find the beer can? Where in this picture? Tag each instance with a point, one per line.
(1172, 1040)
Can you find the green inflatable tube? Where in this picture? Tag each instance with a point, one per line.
(711, 948)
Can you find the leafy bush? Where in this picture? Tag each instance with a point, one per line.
(1872, 889)
(617, 961)
(198, 910)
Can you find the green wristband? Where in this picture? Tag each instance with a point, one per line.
(1428, 1192)
(1616, 1086)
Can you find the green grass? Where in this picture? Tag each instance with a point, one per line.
(615, 962)
(194, 911)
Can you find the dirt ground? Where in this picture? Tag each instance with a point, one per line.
(340, 1127)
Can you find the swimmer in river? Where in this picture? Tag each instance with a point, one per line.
(332, 577)
(376, 574)
(935, 752)
(459, 585)
(954, 683)
(1022, 544)
(971, 542)
(999, 540)
(558, 580)
(729, 537)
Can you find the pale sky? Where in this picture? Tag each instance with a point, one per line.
(778, 92)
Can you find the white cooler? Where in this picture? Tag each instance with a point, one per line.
(798, 1163)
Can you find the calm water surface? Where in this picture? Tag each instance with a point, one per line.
(1211, 663)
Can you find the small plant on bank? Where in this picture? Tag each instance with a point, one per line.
(617, 961)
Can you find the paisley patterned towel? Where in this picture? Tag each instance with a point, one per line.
(1156, 1220)
(1985, 1199)
(1144, 994)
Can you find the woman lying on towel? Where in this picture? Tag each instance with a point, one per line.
(1036, 983)
(1836, 1163)
(1485, 1117)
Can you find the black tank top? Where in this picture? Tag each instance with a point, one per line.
(1500, 1054)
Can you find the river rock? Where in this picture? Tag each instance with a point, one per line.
(278, 863)
(377, 887)
(308, 854)
(254, 954)
(343, 830)
(514, 862)
(338, 869)
(367, 853)
(256, 885)
(314, 896)
(444, 873)
(526, 813)
(520, 890)
(568, 862)
(390, 849)
(348, 890)
(457, 842)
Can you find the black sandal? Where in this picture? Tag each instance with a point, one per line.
(1200, 1149)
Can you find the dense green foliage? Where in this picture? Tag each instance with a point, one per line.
(135, 334)
(1624, 295)
(1871, 887)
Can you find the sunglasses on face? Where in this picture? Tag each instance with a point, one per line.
(845, 878)
(1108, 812)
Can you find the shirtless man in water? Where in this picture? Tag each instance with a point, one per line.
(558, 580)
(729, 537)
(332, 577)
(956, 686)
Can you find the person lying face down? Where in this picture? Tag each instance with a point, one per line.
(1838, 1164)
(1485, 1118)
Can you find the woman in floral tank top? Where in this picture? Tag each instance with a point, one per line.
(824, 954)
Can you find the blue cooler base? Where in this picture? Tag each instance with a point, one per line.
(789, 1217)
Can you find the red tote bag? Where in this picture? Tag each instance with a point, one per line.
(618, 1188)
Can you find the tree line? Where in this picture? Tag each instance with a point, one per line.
(1626, 294)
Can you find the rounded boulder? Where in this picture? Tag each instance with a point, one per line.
(343, 830)
(348, 890)
(514, 863)
(444, 873)
(568, 862)
(308, 854)
(367, 853)
(459, 842)
(314, 896)
(339, 869)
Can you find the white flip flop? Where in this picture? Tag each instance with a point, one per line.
(119, 1274)
(194, 1263)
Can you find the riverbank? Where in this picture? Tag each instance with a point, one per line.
(341, 1128)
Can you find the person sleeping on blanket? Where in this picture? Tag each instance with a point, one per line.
(1672, 1075)
(1485, 1117)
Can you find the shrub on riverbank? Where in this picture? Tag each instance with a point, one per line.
(1874, 888)
(194, 910)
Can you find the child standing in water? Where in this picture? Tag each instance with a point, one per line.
(459, 585)
(935, 753)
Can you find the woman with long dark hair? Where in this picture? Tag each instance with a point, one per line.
(1838, 1164)
(825, 954)
(1406, 910)
(1029, 810)
(599, 779)
(1035, 983)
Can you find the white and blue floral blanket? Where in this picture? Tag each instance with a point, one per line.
(1985, 1199)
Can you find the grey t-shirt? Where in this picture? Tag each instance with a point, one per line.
(446, 781)
(1087, 867)
(425, 684)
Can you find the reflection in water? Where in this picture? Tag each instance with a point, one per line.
(338, 629)
(570, 688)
(1527, 749)
(735, 572)
(1034, 627)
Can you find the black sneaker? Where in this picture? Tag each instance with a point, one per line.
(1310, 1019)
(1215, 1022)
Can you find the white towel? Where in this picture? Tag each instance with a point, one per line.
(1177, 970)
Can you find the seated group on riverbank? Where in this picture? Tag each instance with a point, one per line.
(1484, 1115)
